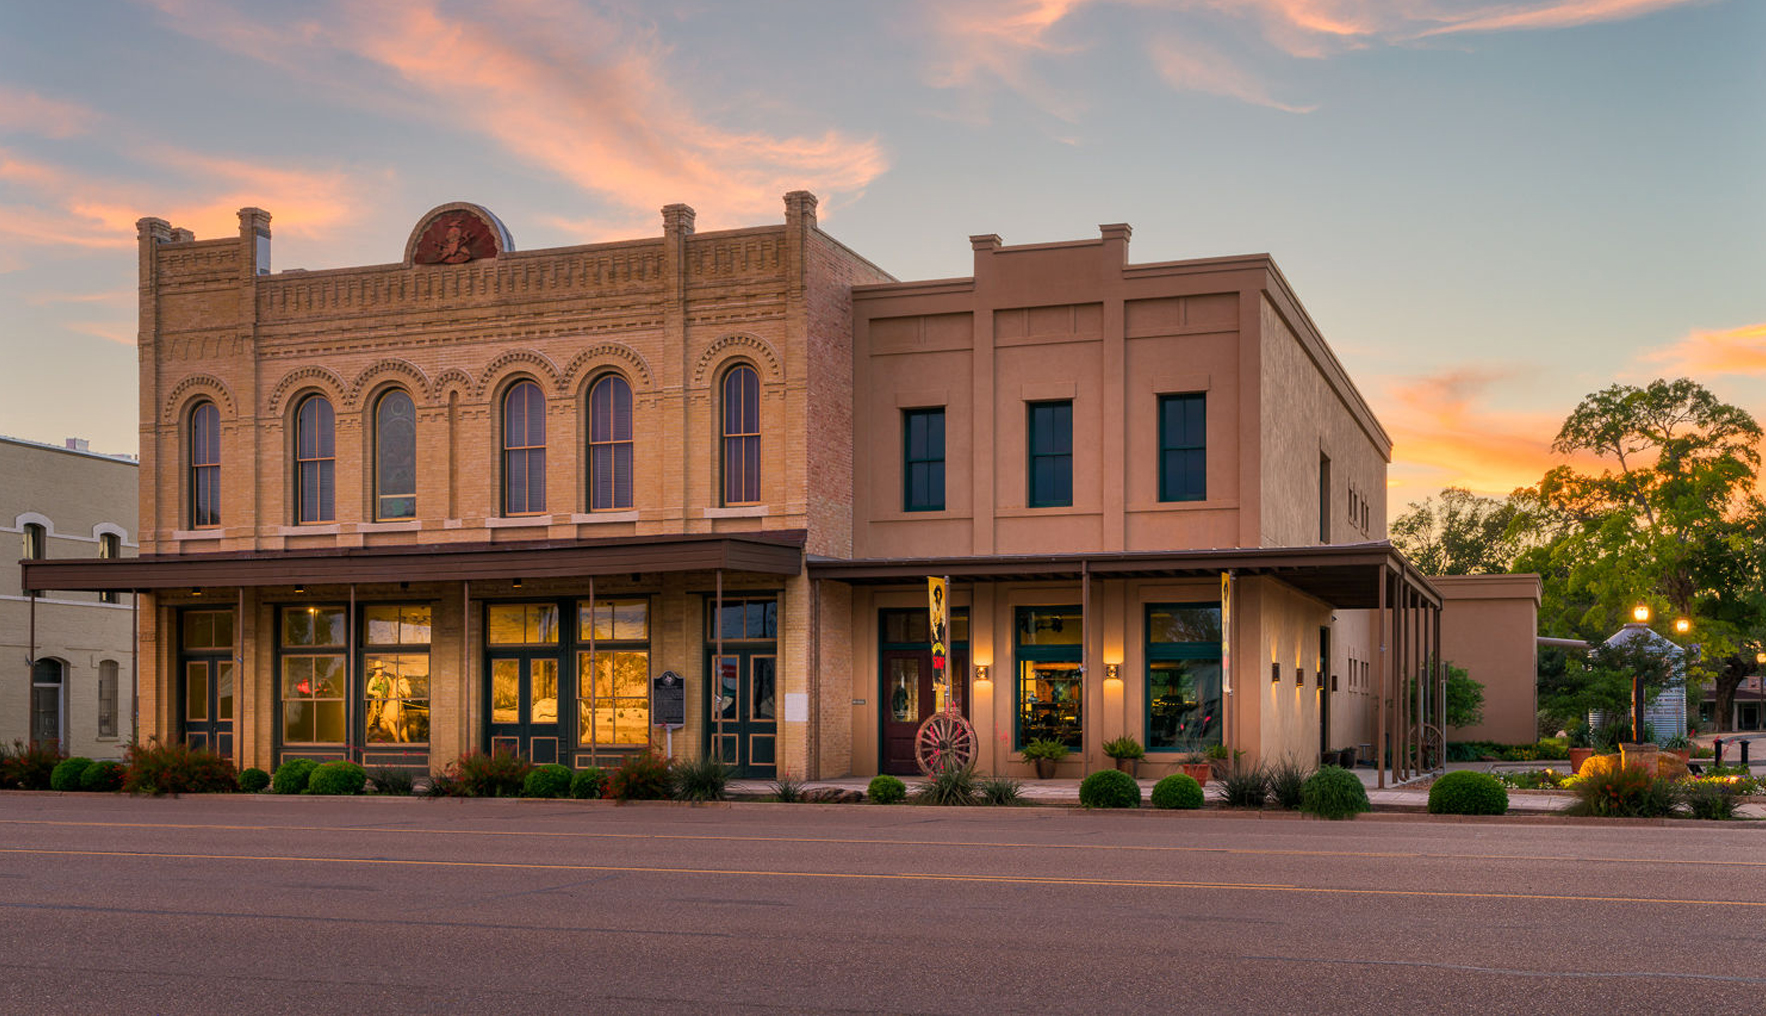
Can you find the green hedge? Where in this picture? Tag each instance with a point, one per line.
(291, 776)
(1177, 791)
(886, 789)
(1334, 793)
(1109, 788)
(253, 780)
(549, 780)
(337, 779)
(66, 775)
(1468, 793)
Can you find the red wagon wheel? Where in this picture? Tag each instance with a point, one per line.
(944, 739)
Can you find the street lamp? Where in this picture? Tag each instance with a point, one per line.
(1640, 613)
(1682, 625)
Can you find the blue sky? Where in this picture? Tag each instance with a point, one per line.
(1490, 208)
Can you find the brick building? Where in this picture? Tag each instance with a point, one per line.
(484, 498)
(70, 660)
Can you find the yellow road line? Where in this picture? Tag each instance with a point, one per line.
(859, 841)
(887, 877)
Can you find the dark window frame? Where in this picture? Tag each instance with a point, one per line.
(205, 466)
(524, 450)
(383, 452)
(928, 494)
(740, 432)
(611, 437)
(1044, 454)
(1165, 652)
(315, 461)
(110, 547)
(1187, 445)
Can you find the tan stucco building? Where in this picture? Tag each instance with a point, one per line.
(482, 498)
(1488, 628)
(70, 660)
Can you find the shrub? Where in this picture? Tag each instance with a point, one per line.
(1617, 791)
(1109, 788)
(1177, 791)
(549, 780)
(494, 774)
(1000, 790)
(28, 766)
(1124, 747)
(253, 780)
(1334, 792)
(1286, 778)
(66, 774)
(337, 779)
(949, 784)
(1468, 793)
(393, 782)
(642, 777)
(1709, 800)
(788, 789)
(589, 784)
(291, 776)
(1242, 787)
(103, 777)
(701, 779)
(177, 769)
(886, 789)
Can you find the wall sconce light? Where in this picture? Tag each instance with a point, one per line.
(1275, 673)
(298, 589)
(1299, 676)
(195, 592)
(981, 672)
(1321, 680)
(1112, 672)
(516, 584)
(1640, 613)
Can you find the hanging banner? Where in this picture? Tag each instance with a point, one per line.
(935, 590)
(1226, 632)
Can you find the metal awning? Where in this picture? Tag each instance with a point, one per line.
(1342, 575)
(776, 552)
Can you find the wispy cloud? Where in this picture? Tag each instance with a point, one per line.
(1561, 14)
(23, 112)
(109, 296)
(584, 95)
(122, 332)
(1739, 350)
(1188, 67)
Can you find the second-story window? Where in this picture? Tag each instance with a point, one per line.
(36, 546)
(922, 460)
(524, 450)
(610, 444)
(1183, 447)
(395, 456)
(205, 466)
(315, 460)
(741, 436)
(110, 547)
(1050, 440)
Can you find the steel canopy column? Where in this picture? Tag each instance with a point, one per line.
(1380, 685)
(717, 663)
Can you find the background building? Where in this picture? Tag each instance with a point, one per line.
(70, 664)
(482, 498)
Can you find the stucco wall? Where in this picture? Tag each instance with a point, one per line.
(1488, 626)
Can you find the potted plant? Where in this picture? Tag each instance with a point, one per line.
(1197, 767)
(1126, 751)
(1581, 747)
(1044, 752)
(1219, 758)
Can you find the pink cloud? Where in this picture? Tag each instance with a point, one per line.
(1561, 14)
(1740, 350)
(1192, 68)
(29, 113)
(122, 332)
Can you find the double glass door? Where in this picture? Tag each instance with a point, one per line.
(207, 693)
(523, 712)
(745, 710)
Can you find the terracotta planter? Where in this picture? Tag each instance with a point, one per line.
(1198, 771)
(1579, 756)
(1126, 765)
(1045, 768)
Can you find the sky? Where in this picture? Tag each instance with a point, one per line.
(1491, 209)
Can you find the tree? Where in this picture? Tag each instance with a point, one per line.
(1675, 521)
(1465, 535)
(1465, 698)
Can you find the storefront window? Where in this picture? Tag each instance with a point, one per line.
(395, 663)
(1051, 684)
(1183, 677)
(521, 624)
(748, 619)
(314, 678)
(613, 681)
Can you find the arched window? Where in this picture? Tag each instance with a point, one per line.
(395, 456)
(610, 444)
(315, 455)
(110, 547)
(205, 466)
(741, 434)
(524, 450)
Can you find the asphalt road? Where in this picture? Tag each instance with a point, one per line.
(271, 905)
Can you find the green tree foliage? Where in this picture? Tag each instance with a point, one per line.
(1674, 520)
(1465, 698)
(1464, 534)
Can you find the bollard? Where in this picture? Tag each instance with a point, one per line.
(1744, 754)
(1717, 746)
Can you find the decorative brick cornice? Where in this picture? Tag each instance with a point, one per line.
(736, 344)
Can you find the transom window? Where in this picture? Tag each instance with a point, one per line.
(205, 466)
(315, 459)
(395, 456)
(1183, 447)
(524, 450)
(922, 461)
(741, 436)
(1050, 434)
(610, 444)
